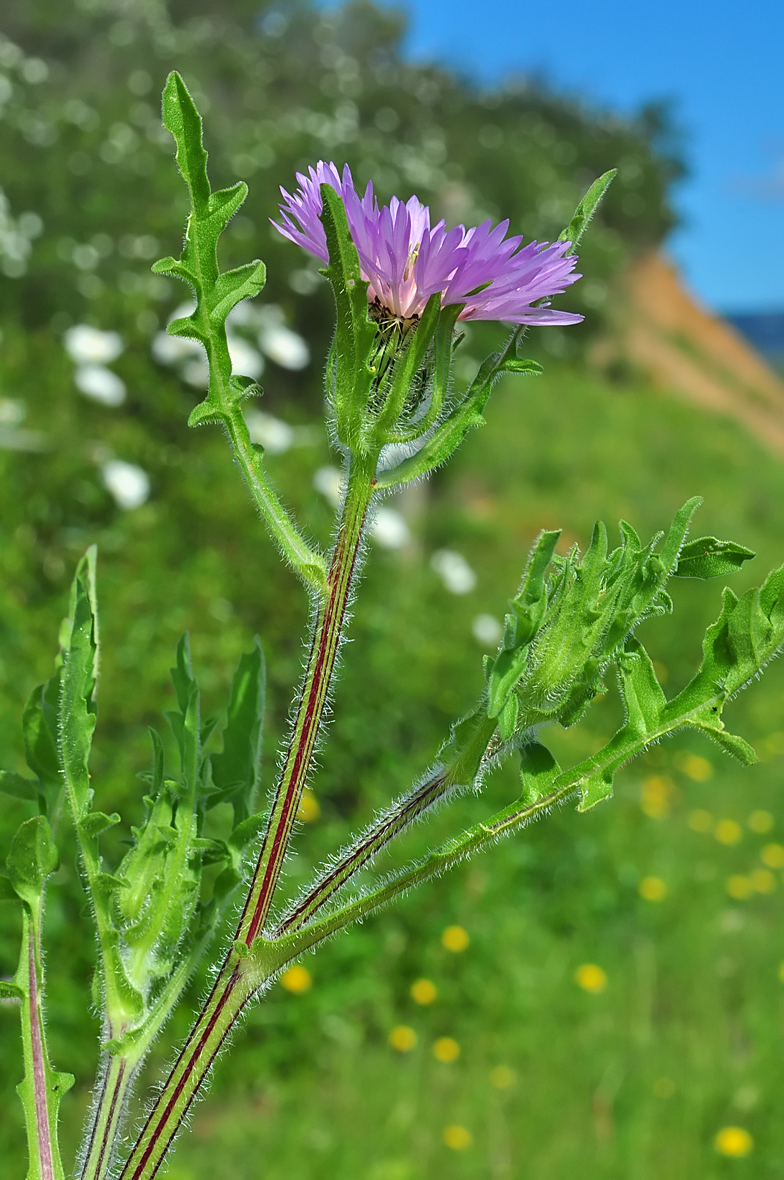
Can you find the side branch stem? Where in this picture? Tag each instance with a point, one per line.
(308, 563)
(410, 808)
(457, 771)
(439, 861)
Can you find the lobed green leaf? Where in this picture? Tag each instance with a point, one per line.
(707, 557)
(233, 286)
(79, 676)
(567, 629)
(184, 721)
(32, 858)
(17, 786)
(235, 770)
(586, 209)
(182, 119)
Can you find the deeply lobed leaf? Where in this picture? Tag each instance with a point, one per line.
(564, 631)
(32, 858)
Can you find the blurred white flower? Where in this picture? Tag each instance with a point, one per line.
(454, 571)
(129, 485)
(244, 358)
(86, 345)
(12, 412)
(16, 234)
(329, 481)
(189, 355)
(196, 372)
(394, 453)
(12, 439)
(487, 630)
(244, 315)
(100, 384)
(272, 434)
(182, 310)
(170, 350)
(304, 281)
(284, 347)
(390, 529)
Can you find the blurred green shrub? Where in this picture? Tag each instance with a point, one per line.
(89, 204)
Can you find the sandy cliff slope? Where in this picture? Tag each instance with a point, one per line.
(688, 350)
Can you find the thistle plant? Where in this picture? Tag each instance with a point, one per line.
(401, 290)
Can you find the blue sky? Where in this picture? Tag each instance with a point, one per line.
(721, 63)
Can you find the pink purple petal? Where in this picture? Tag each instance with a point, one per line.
(405, 262)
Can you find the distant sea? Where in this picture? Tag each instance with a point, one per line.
(765, 331)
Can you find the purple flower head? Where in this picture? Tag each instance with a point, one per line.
(405, 261)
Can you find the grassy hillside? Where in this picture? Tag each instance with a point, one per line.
(635, 1080)
(632, 1080)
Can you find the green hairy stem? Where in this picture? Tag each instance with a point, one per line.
(114, 1087)
(236, 983)
(569, 631)
(312, 699)
(31, 860)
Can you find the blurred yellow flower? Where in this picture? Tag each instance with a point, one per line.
(734, 1141)
(728, 831)
(297, 979)
(501, 1076)
(772, 855)
(655, 796)
(739, 887)
(652, 889)
(455, 939)
(446, 1049)
(664, 1087)
(457, 1137)
(760, 822)
(309, 807)
(694, 765)
(775, 743)
(763, 880)
(591, 978)
(403, 1038)
(423, 991)
(700, 820)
